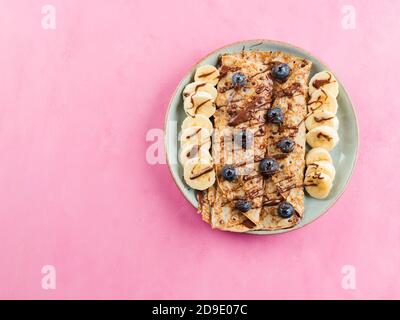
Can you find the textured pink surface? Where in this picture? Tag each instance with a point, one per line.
(77, 192)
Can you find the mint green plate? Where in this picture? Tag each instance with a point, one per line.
(344, 155)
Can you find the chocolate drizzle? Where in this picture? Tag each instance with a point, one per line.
(310, 185)
(201, 172)
(272, 64)
(316, 175)
(248, 178)
(285, 189)
(289, 91)
(323, 135)
(195, 89)
(207, 74)
(247, 113)
(256, 159)
(193, 134)
(200, 85)
(279, 156)
(271, 202)
(243, 116)
(321, 119)
(258, 73)
(225, 69)
(198, 106)
(260, 132)
(319, 83)
(257, 192)
(260, 88)
(248, 224)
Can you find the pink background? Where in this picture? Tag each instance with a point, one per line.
(77, 192)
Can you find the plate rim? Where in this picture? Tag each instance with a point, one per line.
(272, 42)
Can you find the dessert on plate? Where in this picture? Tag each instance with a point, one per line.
(243, 142)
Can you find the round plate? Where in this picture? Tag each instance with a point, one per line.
(344, 154)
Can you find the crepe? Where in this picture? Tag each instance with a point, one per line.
(241, 111)
(259, 94)
(291, 97)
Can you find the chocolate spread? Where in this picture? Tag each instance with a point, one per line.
(319, 83)
(247, 113)
(289, 91)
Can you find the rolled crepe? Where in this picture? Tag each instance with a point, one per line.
(241, 112)
(291, 97)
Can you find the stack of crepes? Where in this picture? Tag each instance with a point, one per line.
(245, 108)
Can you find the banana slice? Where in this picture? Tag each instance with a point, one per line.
(198, 121)
(324, 80)
(318, 185)
(198, 86)
(322, 100)
(199, 103)
(317, 154)
(189, 152)
(196, 136)
(199, 174)
(322, 118)
(323, 136)
(207, 73)
(321, 166)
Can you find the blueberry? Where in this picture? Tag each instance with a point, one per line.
(269, 166)
(243, 205)
(239, 79)
(228, 173)
(275, 115)
(285, 209)
(281, 71)
(244, 139)
(286, 145)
